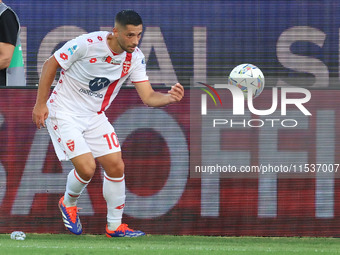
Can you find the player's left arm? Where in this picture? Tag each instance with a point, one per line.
(156, 99)
(6, 53)
(9, 32)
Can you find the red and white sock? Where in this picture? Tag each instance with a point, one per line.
(74, 187)
(114, 194)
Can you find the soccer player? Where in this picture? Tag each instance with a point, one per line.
(12, 72)
(94, 67)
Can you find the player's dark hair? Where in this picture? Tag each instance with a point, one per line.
(128, 17)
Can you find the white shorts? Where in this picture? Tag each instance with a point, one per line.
(76, 135)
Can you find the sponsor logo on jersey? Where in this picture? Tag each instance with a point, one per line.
(63, 56)
(143, 61)
(93, 60)
(70, 145)
(112, 61)
(91, 93)
(99, 83)
(73, 49)
(120, 207)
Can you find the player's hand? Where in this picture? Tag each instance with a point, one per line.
(176, 93)
(39, 115)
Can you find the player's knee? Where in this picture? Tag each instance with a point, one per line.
(119, 168)
(86, 170)
(116, 169)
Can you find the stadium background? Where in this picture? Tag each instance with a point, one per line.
(294, 43)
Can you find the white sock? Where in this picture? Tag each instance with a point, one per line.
(114, 194)
(74, 187)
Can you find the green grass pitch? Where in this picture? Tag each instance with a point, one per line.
(64, 244)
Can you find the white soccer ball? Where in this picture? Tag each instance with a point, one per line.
(247, 77)
(18, 235)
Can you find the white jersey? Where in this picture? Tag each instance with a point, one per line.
(92, 74)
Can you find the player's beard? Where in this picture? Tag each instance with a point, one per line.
(128, 49)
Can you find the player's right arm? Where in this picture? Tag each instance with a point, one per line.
(48, 73)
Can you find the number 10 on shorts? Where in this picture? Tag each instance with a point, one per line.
(112, 139)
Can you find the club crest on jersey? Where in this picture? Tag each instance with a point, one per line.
(99, 83)
(126, 66)
(112, 61)
(70, 145)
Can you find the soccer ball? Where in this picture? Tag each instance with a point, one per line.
(18, 235)
(247, 77)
